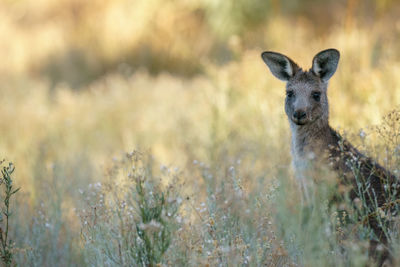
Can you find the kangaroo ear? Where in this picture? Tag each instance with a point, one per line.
(325, 63)
(281, 66)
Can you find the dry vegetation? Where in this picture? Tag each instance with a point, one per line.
(83, 82)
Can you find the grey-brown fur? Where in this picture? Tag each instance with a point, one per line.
(314, 141)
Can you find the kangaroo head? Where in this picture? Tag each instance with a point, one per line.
(306, 98)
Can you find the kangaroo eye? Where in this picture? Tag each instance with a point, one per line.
(316, 96)
(289, 93)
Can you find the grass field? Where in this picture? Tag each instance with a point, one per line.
(150, 133)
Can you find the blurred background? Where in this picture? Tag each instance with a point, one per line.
(82, 82)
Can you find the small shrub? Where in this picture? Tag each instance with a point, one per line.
(131, 218)
(6, 249)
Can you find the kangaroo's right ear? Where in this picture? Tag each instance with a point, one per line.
(280, 65)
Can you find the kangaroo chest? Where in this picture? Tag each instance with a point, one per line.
(304, 151)
(302, 156)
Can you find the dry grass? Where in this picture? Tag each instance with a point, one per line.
(83, 82)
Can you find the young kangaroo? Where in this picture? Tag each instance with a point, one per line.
(315, 142)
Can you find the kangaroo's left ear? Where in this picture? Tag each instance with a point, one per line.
(325, 63)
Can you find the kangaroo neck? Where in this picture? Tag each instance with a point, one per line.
(310, 138)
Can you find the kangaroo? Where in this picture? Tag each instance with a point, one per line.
(314, 141)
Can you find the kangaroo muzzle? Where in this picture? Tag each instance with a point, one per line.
(299, 117)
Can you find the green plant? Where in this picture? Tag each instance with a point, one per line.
(6, 251)
(151, 245)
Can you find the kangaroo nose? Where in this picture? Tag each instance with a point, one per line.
(299, 114)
